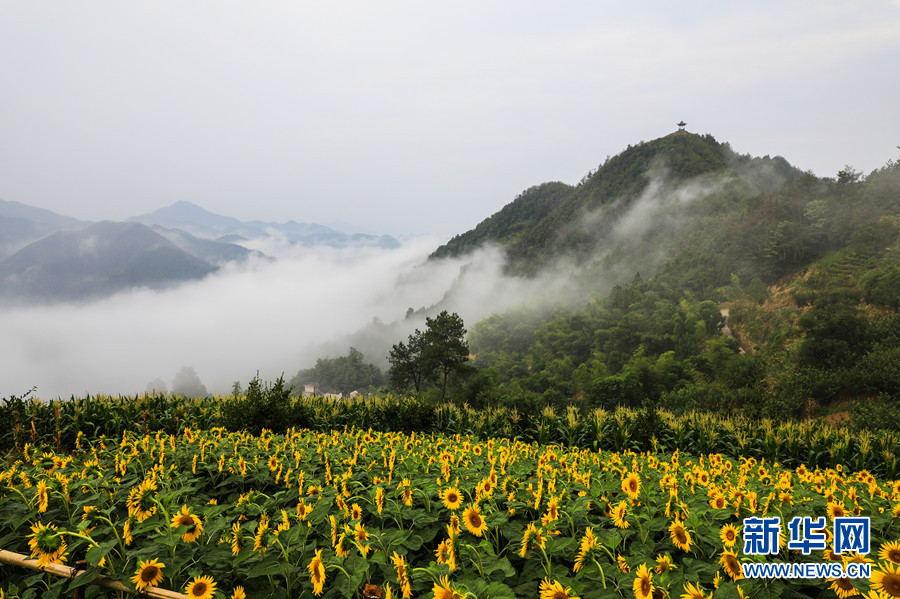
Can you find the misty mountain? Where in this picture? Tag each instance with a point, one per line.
(198, 221)
(21, 224)
(553, 219)
(103, 258)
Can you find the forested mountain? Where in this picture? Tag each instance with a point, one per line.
(554, 219)
(754, 287)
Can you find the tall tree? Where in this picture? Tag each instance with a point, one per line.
(406, 362)
(446, 350)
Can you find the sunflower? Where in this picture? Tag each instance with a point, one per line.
(148, 574)
(643, 583)
(555, 590)
(552, 512)
(443, 590)
(356, 512)
(42, 497)
(718, 501)
(445, 555)
(402, 574)
(475, 524)
(623, 565)
(618, 515)
(379, 499)
(235, 538)
(588, 543)
(202, 587)
(186, 518)
(631, 485)
(664, 563)
(890, 551)
(692, 591)
(730, 563)
(140, 500)
(836, 510)
(886, 579)
(842, 587)
(680, 536)
(238, 593)
(46, 544)
(452, 498)
(728, 533)
(317, 573)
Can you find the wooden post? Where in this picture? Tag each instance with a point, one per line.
(17, 559)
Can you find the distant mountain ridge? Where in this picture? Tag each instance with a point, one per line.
(46, 257)
(200, 222)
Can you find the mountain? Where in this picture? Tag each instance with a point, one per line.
(198, 221)
(103, 258)
(702, 280)
(21, 224)
(551, 220)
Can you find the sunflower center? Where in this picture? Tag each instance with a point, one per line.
(646, 587)
(475, 520)
(148, 574)
(560, 595)
(680, 535)
(844, 583)
(199, 589)
(185, 521)
(891, 584)
(894, 555)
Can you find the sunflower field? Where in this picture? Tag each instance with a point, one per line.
(363, 513)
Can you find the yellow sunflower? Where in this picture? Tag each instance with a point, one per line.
(718, 501)
(890, 551)
(473, 521)
(42, 497)
(140, 500)
(886, 579)
(443, 590)
(623, 565)
(588, 543)
(730, 563)
(46, 544)
(445, 554)
(692, 591)
(555, 590)
(239, 593)
(452, 498)
(186, 518)
(402, 574)
(148, 574)
(680, 536)
(618, 515)
(202, 587)
(316, 569)
(643, 583)
(836, 510)
(728, 533)
(664, 563)
(631, 485)
(842, 587)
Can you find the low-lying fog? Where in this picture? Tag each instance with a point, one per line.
(278, 316)
(271, 316)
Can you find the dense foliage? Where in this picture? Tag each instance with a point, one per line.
(344, 514)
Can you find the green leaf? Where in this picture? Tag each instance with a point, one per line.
(82, 579)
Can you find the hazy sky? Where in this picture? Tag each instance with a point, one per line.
(425, 117)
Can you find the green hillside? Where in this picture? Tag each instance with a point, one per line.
(554, 219)
(753, 287)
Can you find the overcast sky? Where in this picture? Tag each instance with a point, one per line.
(417, 117)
